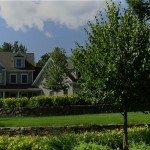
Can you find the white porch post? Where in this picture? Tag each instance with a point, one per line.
(3, 94)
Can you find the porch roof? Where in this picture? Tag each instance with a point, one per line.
(20, 87)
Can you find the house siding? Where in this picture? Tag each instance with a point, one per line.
(48, 92)
(2, 72)
(19, 77)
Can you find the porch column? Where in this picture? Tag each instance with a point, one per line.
(3, 94)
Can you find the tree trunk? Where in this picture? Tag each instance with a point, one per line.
(125, 140)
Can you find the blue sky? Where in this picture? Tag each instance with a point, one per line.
(43, 25)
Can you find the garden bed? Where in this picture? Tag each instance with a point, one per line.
(104, 140)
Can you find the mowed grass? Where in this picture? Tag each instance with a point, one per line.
(109, 118)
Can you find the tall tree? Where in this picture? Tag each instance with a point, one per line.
(140, 7)
(44, 58)
(8, 47)
(56, 71)
(114, 64)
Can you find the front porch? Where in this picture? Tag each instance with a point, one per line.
(20, 92)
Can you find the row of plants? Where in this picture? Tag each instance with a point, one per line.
(42, 101)
(105, 140)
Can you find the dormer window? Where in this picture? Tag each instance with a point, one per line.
(19, 62)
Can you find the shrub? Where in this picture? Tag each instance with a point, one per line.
(140, 134)
(139, 146)
(21, 143)
(61, 100)
(71, 141)
(1, 102)
(111, 138)
(22, 102)
(76, 100)
(40, 101)
(63, 141)
(91, 146)
(10, 102)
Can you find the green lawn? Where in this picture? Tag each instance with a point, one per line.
(112, 118)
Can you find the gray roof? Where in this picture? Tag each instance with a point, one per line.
(7, 60)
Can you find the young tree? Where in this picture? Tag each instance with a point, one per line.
(114, 64)
(140, 7)
(57, 70)
(8, 47)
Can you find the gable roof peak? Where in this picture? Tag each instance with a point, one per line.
(18, 54)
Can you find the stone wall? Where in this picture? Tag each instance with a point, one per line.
(41, 131)
(55, 110)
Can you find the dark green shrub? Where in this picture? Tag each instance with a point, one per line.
(139, 146)
(63, 142)
(1, 102)
(140, 134)
(76, 100)
(91, 146)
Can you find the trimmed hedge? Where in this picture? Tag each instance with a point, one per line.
(42, 101)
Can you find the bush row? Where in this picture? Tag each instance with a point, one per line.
(106, 140)
(42, 101)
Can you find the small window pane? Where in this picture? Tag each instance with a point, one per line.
(24, 78)
(13, 79)
(18, 63)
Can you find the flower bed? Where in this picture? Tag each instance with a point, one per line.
(104, 140)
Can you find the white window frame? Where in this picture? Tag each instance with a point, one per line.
(22, 62)
(0, 77)
(21, 78)
(16, 78)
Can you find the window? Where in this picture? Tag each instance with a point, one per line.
(24, 78)
(0, 77)
(19, 62)
(13, 78)
(65, 91)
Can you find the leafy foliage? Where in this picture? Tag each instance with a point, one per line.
(44, 58)
(14, 102)
(8, 47)
(140, 7)
(72, 141)
(42, 101)
(56, 71)
(114, 64)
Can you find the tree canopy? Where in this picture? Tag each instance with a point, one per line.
(8, 47)
(114, 63)
(56, 71)
(140, 7)
(44, 58)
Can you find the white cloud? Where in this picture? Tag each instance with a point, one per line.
(48, 34)
(23, 15)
